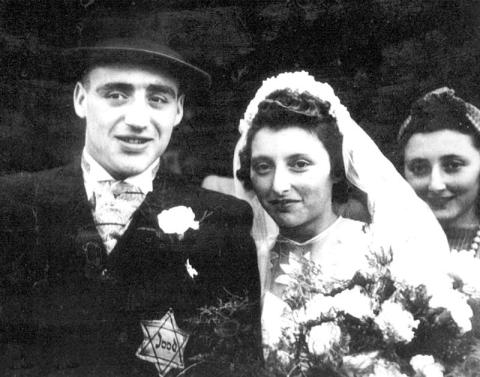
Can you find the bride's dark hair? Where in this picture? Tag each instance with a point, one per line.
(284, 109)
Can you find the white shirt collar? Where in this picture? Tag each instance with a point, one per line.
(93, 173)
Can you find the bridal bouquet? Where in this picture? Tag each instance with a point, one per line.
(394, 317)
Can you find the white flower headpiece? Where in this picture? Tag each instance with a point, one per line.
(300, 82)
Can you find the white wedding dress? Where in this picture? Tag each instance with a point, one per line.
(338, 252)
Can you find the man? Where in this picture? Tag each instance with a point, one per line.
(95, 249)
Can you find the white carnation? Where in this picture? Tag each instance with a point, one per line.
(354, 302)
(177, 220)
(425, 366)
(395, 322)
(321, 338)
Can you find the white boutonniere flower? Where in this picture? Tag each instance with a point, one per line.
(192, 272)
(177, 220)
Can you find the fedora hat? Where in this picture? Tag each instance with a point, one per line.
(134, 50)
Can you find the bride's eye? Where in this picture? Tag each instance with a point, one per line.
(300, 165)
(262, 167)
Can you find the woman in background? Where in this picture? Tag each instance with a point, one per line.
(441, 160)
(440, 140)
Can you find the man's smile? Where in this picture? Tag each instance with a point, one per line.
(133, 139)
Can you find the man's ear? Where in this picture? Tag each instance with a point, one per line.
(80, 99)
(180, 103)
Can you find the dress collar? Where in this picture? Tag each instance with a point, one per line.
(322, 235)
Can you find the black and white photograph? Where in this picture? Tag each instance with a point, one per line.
(232, 188)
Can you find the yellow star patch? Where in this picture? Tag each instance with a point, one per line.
(163, 343)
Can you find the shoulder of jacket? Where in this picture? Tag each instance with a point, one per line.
(22, 185)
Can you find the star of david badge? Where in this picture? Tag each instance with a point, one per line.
(163, 343)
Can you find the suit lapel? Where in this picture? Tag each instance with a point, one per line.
(64, 194)
(72, 206)
(80, 208)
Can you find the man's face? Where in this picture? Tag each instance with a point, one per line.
(130, 113)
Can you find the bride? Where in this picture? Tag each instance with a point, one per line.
(293, 160)
(299, 157)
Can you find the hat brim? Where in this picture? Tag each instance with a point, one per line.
(190, 77)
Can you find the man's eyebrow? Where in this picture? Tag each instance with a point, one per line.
(159, 88)
(451, 155)
(115, 86)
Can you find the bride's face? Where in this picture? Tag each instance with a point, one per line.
(290, 173)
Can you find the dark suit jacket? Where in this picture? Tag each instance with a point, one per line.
(69, 305)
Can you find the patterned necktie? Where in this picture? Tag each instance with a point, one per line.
(114, 203)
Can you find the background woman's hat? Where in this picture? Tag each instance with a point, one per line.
(136, 51)
(440, 106)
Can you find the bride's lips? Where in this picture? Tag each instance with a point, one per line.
(283, 204)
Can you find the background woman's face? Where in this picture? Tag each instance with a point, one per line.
(290, 173)
(443, 167)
